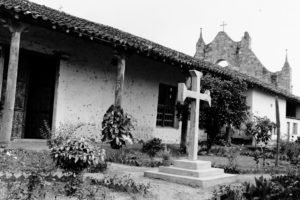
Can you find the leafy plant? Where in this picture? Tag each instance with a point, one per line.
(74, 155)
(230, 192)
(58, 136)
(261, 190)
(228, 105)
(256, 157)
(166, 157)
(260, 129)
(232, 154)
(152, 147)
(123, 184)
(292, 150)
(116, 127)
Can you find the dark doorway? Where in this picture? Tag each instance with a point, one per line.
(40, 93)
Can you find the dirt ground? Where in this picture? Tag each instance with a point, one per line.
(163, 190)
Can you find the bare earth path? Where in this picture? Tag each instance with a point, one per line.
(163, 190)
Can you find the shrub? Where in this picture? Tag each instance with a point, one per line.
(232, 154)
(230, 192)
(100, 167)
(286, 187)
(20, 160)
(260, 129)
(123, 184)
(166, 158)
(58, 136)
(152, 147)
(116, 127)
(293, 151)
(74, 155)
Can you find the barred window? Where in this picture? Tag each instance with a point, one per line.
(166, 105)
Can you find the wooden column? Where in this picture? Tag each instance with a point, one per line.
(278, 130)
(120, 61)
(11, 85)
(1, 69)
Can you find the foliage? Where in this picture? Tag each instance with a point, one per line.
(116, 127)
(256, 157)
(232, 154)
(228, 104)
(74, 155)
(285, 187)
(292, 150)
(26, 161)
(152, 147)
(261, 190)
(98, 168)
(166, 157)
(123, 184)
(58, 136)
(260, 129)
(53, 187)
(229, 192)
(131, 157)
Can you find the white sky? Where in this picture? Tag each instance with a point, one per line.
(274, 25)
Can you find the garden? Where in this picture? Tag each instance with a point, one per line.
(111, 165)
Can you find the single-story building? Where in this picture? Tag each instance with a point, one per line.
(57, 69)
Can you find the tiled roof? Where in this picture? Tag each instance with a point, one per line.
(49, 18)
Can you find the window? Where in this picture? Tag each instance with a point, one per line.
(295, 129)
(166, 105)
(222, 63)
(290, 109)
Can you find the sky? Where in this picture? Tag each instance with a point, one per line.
(274, 25)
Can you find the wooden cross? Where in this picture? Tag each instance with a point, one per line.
(223, 25)
(196, 96)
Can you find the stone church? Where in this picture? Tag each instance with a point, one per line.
(239, 56)
(59, 69)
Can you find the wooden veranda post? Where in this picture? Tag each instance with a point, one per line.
(278, 130)
(120, 61)
(1, 69)
(10, 92)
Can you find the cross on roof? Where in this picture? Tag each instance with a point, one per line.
(223, 25)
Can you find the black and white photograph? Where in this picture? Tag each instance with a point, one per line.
(149, 100)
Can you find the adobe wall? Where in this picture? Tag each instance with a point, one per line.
(264, 105)
(86, 81)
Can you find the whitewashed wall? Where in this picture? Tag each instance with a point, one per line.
(86, 81)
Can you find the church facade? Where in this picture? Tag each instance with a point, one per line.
(240, 57)
(57, 69)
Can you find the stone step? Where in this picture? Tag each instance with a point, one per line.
(29, 144)
(192, 164)
(203, 182)
(192, 173)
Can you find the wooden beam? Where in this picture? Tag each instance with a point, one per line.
(278, 131)
(120, 61)
(1, 70)
(11, 84)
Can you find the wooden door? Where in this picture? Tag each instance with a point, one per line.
(21, 97)
(40, 96)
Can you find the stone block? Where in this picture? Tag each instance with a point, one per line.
(191, 173)
(203, 182)
(192, 164)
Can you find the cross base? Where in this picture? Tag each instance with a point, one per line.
(194, 173)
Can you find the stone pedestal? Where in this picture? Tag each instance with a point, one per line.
(194, 173)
